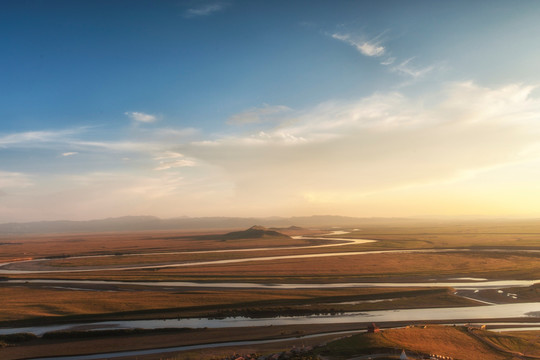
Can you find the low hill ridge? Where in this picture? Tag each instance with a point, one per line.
(258, 227)
(255, 232)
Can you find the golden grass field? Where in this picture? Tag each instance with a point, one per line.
(46, 303)
(455, 342)
(366, 267)
(50, 245)
(34, 302)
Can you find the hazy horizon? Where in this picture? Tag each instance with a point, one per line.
(257, 109)
(421, 218)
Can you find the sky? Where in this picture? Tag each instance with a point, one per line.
(269, 108)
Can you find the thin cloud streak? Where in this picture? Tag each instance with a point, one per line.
(37, 137)
(141, 117)
(258, 115)
(147, 141)
(9, 179)
(205, 10)
(367, 48)
(388, 61)
(171, 160)
(373, 48)
(406, 68)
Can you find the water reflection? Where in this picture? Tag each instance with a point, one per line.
(500, 311)
(458, 285)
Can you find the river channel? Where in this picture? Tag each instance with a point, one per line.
(522, 310)
(495, 311)
(14, 268)
(483, 284)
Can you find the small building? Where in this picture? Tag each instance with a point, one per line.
(373, 328)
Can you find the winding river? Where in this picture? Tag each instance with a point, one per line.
(15, 267)
(458, 285)
(519, 310)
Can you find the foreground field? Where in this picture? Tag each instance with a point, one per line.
(465, 343)
(456, 342)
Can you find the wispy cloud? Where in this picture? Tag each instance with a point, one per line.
(257, 115)
(37, 137)
(379, 144)
(10, 179)
(118, 146)
(172, 134)
(368, 48)
(388, 61)
(141, 117)
(171, 160)
(374, 48)
(406, 68)
(77, 140)
(70, 153)
(204, 10)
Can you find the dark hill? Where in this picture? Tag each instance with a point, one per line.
(254, 232)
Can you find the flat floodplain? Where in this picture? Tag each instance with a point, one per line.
(427, 254)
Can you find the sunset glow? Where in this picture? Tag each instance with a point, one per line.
(251, 108)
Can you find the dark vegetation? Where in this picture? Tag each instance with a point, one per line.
(254, 232)
(12, 339)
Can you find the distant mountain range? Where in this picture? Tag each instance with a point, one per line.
(142, 223)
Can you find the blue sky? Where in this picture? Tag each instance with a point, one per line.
(260, 108)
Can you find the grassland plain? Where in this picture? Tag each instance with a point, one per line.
(425, 265)
(371, 267)
(507, 251)
(367, 267)
(509, 263)
(30, 304)
(16, 247)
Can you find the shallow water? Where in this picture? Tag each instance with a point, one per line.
(523, 310)
(458, 285)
